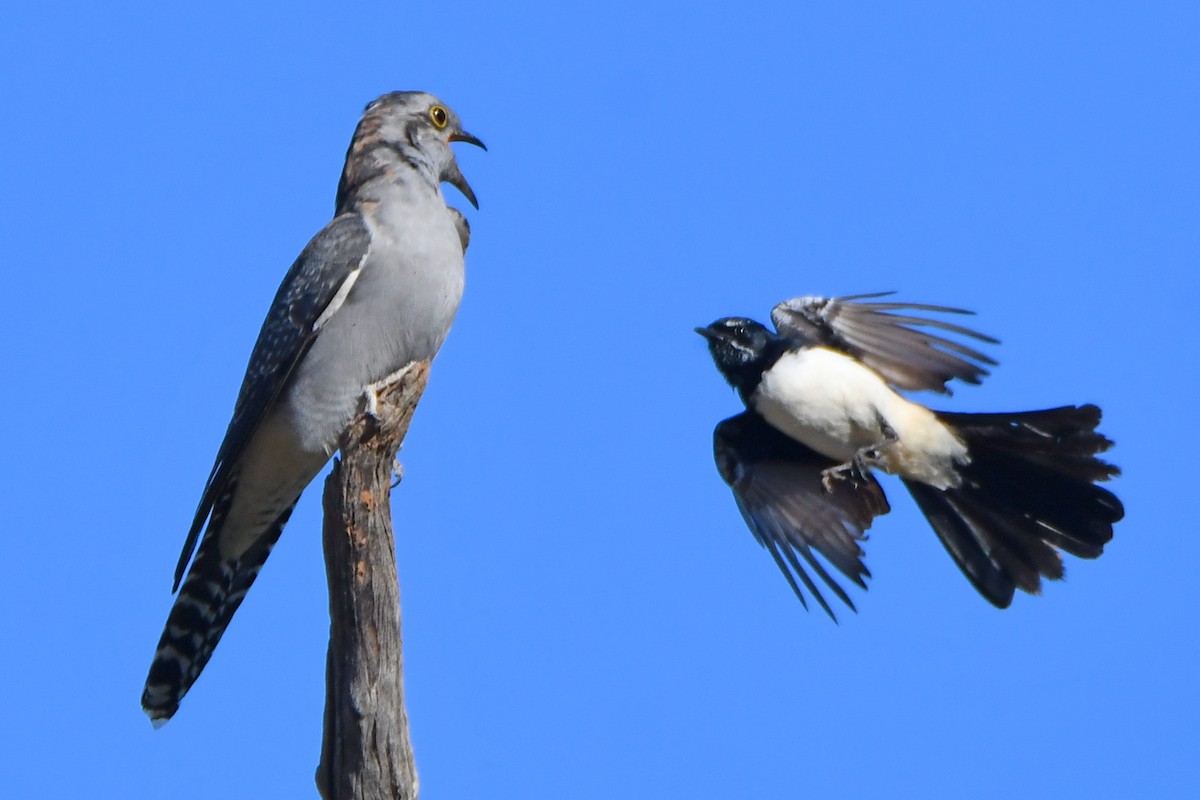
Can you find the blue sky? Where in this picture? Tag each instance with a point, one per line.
(585, 614)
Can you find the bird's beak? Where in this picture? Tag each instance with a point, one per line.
(463, 136)
(453, 176)
(711, 335)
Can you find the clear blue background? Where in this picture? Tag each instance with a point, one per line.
(585, 615)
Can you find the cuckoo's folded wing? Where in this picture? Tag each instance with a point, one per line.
(311, 293)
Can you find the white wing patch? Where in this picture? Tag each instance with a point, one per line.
(339, 298)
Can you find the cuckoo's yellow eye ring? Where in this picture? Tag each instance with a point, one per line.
(439, 116)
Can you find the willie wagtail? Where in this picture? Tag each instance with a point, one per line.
(1004, 492)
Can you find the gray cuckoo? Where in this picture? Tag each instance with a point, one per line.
(376, 289)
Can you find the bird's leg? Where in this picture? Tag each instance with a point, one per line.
(873, 455)
(372, 409)
(858, 468)
(855, 470)
(372, 391)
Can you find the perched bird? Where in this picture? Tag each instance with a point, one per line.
(1004, 492)
(376, 289)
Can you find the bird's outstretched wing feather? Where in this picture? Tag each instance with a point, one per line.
(310, 294)
(778, 486)
(893, 344)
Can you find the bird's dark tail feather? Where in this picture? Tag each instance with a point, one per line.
(1028, 492)
(211, 593)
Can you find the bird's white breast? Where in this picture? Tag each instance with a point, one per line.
(823, 399)
(835, 405)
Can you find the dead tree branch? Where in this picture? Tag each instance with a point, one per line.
(367, 753)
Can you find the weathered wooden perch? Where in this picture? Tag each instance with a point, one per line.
(366, 753)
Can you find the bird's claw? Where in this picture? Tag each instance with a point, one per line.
(372, 409)
(372, 390)
(855, 470)
(397, 471)
(858, 469)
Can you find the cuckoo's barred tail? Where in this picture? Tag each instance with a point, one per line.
(1028, 492)
(207, 600)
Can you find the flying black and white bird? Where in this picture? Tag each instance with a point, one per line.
(375, 290)
(1004, 492)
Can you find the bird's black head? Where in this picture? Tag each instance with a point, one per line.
(742, 350)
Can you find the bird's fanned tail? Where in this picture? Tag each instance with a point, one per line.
(1028, 492)
(207, 601)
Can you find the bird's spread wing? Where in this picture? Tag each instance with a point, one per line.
(778, 486)
(313, 290)
(892, 344)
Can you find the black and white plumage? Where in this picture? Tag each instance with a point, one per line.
(1004, 492)
(374, 291)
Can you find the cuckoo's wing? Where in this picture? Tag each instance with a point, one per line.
(311, 293)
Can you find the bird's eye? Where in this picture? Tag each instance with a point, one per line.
(439, 116)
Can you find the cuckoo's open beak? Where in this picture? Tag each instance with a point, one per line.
(463, 136)
(453, 176)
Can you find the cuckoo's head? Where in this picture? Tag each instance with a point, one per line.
(413, 127)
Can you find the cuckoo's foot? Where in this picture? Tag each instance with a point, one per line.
(372, 391)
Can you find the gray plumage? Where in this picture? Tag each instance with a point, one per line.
(462, 226)
(374, 290)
